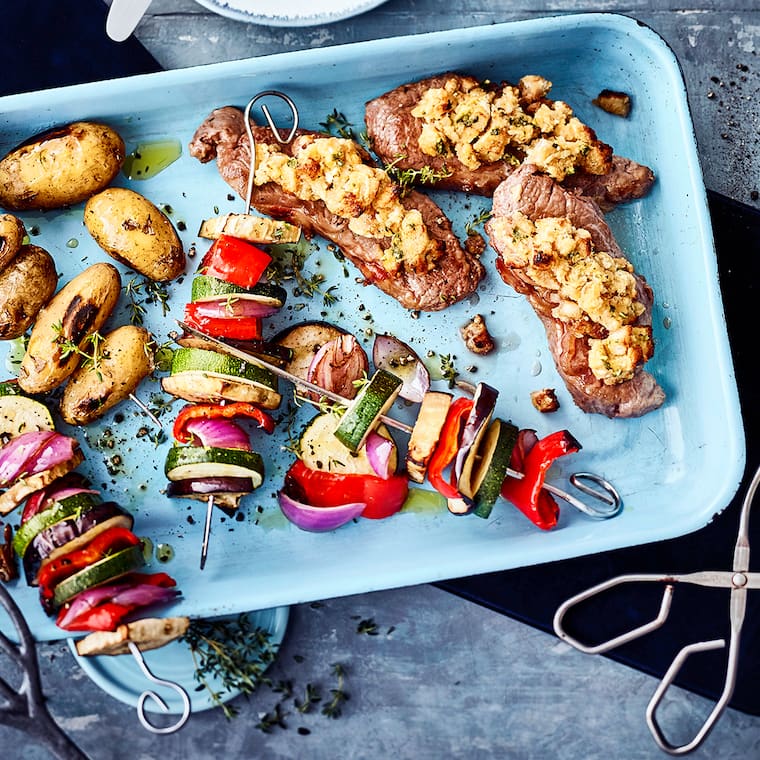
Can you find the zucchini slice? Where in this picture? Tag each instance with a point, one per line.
(104, 570)
(199, 359)
(494, 453)
(319, 449)
(184, 462)
(363, 414)
(203, 376)
(207, 288)
(21, 414)
(254, 229)
(59, 510)
(426, 432)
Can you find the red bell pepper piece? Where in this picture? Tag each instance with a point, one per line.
(528, 494)
(235, 261)
(108, 542)
(447, 447)
(238, 328)
(218, 411)
(383, 496)
(107, 615)
(104, 617)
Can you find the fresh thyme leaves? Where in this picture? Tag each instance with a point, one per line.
(337, 124)
(91, 358)
(311, 697)
(448, 370)
(368, 626)
(233, 653)
(160, 404)
(271, 719)
(477, 221)
(288, 260)
(407, 178)
(334, 707)
(145, 291)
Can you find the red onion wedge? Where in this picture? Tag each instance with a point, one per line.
(220, 433)
(393, 355)
(380, 454)
(318, 519)
(236, 307)
(338, 364)
(34, 452)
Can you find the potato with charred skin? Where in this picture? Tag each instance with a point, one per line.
(26, 285)
(126, 359)
(131, 229)
(78, 310)
(12, 233)
(60, 167)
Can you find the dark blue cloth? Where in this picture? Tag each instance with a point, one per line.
(49, 43)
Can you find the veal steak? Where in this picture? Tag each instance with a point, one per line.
(394, 134)
(449, 276)
(532, 194)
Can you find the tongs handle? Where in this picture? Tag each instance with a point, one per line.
(737, 609)
(623, 638)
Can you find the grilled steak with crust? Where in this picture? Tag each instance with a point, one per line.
(428, 276)
(395, 134)
(528, 194)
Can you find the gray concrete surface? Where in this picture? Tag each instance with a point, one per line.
(444, 678)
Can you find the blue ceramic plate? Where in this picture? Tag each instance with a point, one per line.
(121, 677)
(675, 467)
(290, 12)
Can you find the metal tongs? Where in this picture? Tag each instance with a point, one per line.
(738, 580)
(601, 490)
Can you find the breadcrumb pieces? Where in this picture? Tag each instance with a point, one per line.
(616, 103)
(545, 400)
(476, 336)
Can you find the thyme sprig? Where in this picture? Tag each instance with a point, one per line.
(337, 123)
(407, 178)
(145, 291)
(288, 260)
(90, 358)
(448, 369)
(334, 707)
(477, 221)
(232, 652)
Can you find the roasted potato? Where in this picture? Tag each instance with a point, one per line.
(26, 285)
(135, 232)
(60, 167)
(125, 360)
(12, 232)
(78, 310)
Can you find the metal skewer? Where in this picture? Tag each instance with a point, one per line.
(248, 197)
(150, 694)
(605, 492)
(207, 529)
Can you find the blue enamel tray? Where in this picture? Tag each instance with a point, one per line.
(676, 467)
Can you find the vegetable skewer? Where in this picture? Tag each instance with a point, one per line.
(606, 492)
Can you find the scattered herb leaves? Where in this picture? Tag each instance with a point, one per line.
(337, 124)
(235, 653)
